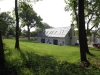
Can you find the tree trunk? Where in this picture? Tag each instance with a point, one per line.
(17, 26)
(2, 59)
(82, 35)
(86, 45)
(28, 33)
(76, 15)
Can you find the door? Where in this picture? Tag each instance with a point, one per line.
(55, 42)
(43, 40)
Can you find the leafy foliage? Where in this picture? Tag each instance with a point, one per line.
(28, 17)
(92, 13)
(5, 21)
(40, 28)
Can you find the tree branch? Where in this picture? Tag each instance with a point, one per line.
(89, 21)
(76, 14)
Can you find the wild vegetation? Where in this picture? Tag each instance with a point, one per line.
(46, 59)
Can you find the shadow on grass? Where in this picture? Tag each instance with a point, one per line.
(33, 64)
(91, 54)
(88, 52)
(94, 49)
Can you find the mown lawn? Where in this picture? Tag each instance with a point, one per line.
(46, 59)
(61, 53)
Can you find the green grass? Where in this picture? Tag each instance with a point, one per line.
(61, 53)
(46, 59)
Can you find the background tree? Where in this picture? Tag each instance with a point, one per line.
(11, 31)
(24, 33)
(45, 26)
(17, 26)
(41, 27)
(82, 34)
(6, 22)
(91, 10)
(28, 17)
(34, 34)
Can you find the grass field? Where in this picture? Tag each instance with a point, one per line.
(42, 59)
(61, 53)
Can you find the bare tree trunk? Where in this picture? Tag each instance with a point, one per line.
(2, 59)
(28, 33)
(17, 26)
(82, 35)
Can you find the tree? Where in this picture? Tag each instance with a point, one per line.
(45, 25)
(34, 34)
(11, 31)
(90, 10)
(17, 26)
(2, 58)
(82, 34)
(24, 33)
(41, 27)
(28, 17)
(92, 13)
(6, 22)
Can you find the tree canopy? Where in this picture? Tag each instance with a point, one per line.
(91, 11)
(39, 29)
(28, 17)
(5, 21)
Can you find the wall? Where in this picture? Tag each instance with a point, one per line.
(49, 40)
(67, 40)
(70, 39)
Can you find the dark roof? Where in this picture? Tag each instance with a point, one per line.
(55, 32)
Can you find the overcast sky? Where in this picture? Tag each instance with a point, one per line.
(52, 11)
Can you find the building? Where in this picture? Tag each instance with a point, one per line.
(58, 36)
(95, 39)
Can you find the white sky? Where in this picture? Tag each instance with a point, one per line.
(51, 11)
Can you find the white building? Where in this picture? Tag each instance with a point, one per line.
(58, 36)
(95, 39)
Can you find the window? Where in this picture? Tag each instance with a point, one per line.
(51, 32)
(61, 31)
(43, 40)
(62, 42)
(55, 42)
(46, 32)
(55, 32)
(48, 41)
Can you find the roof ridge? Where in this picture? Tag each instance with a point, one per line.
(58, 27)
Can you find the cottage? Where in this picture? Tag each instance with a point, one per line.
(58, 36)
